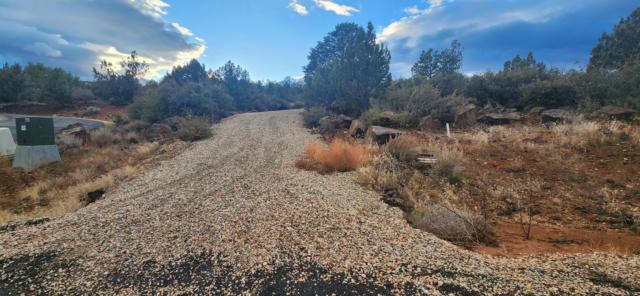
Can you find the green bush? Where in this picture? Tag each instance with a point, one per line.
(194, 129)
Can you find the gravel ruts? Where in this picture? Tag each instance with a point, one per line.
(232, 215)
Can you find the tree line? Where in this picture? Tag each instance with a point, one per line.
(348, 72)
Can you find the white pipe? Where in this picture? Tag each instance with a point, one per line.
(448, 131)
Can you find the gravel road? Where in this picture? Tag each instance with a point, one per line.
(232, 215)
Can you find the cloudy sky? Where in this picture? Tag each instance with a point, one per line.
(271, 38)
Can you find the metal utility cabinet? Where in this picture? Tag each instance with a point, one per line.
(36, 143)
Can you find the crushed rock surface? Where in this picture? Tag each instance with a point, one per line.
(232, 215)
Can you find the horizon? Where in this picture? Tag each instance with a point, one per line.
(271, 39)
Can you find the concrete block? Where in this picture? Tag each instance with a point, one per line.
(29, 158)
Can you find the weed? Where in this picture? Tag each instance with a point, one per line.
(339, 156)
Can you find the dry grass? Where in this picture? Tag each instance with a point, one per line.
(62, 187)
(339, 156)
(404, 148)
(450, 159)
(105, 136)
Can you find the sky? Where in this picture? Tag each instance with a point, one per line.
(271, 38)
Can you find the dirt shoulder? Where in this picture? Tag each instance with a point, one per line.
(232, 214)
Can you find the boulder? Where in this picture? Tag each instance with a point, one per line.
(335, 122)
(501, 118)
(382, 135)
(357, 129)
(76, 130)
(428, 124)
(174, 122)
(343, 121)
(555, 115)
(466, 115)
(387, 118)
(535, 111)
(158, 132)
(614, 112)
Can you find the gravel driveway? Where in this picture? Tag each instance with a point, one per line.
(232, 215)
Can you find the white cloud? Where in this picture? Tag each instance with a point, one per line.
(298, 77)
(409, 30)
(43, 49)
(182, 30)
(32, 30)
(338, 9)
(297, 7)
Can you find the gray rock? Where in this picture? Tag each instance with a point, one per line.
(357, 129)
(614, 112)
(382, 135)
(555, 115)
(501, 118)
(466, 115)
(427, 124)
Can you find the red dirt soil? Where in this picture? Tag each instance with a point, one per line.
(552, 239)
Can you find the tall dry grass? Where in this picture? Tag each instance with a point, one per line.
(338, 156)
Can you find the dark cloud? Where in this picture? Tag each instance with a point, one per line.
(76, 34)
(558, 33)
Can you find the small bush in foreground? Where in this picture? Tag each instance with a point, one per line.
(339, 156)
(455, 225)
(194, 129)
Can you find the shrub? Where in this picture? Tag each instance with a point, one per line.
(104, 136)
(404, 148)
(339, 156)
(312, 116)
(137, 126)
(194, 129)
(455, 225)
(119, 121)
(450, 160)
(67, 142)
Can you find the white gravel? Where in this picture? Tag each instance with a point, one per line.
(232, 215)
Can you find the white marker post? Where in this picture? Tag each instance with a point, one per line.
(448, 131)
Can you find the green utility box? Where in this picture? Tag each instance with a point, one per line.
(35, 131)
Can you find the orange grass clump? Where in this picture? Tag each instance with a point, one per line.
(339, 156)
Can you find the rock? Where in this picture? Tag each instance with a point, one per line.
(555, 115)
(157, 132)
(535, 111)
(174, 122)
(614, 112)
(76, 130)
(357, 129)
(335, 122)
(387, 118)
(382, 135)
(428, 124)
(501, 118)
(466, 115)
(343, 121)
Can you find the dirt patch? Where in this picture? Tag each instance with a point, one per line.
(552, 239)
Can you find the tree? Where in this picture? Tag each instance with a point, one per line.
(346, 68)
(119, 88)
(427, 64)
(622, 45)
(433, 62)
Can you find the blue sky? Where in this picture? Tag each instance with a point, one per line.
(271, 38)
